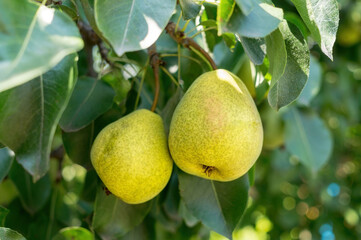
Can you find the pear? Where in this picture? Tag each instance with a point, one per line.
(216, 131)
(131, 157)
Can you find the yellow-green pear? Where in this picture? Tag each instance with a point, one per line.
(216, 131)
(131, 157)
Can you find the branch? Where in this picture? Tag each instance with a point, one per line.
(91, 38)
(155, 62)
(189, 43)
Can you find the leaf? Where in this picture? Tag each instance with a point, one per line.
(321, 18)
(261, 21)
(34, 41)
(33, 196)
(8, 234)
(308, 138)
(71, 233)
(224, 12)
(277, 55)
(3, 213)
(90, 99)
(113, 218)
(168, 110)
(230, 40)
(6, 160)
(313, 84)
(295, 76)
(78, 145)
(31, 112)
(144, 231)
(219, 205)
(255, 49)
(132, 25)
(247, 5)
(190, 8)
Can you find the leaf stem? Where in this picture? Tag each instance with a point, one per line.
(204, 30)
(170, 76)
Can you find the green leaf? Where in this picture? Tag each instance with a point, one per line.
(313, 84)
(78, 145)
(113, 218)
(321, 18)
(190, 8)
(71, 233)
(131, 25)
(34, 41)
(295, 76)
(224, 12)
(247, 5)
(90, 99)
(8, 234)
(261, 21)
(168, 110)
(277, 55)
(33, 196)
(3, 213)
(6, 160)
(230, 40)
(143, 231)
(219, 205)
(31, 112)
(308, 138)
(255, 49)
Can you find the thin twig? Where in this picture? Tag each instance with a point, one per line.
(155, 62)
(204, 30)
(184, 56)
(179, 37)
(169, 75)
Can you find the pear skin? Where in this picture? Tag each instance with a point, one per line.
(131, 157)
(216, 131)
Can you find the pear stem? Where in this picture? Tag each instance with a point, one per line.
(187, 42)
(155, 61)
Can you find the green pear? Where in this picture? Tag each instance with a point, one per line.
(216, 131)
(131, 157)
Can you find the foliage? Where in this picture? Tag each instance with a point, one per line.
(69, 68)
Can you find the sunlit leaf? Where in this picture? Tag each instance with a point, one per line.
(33, 40)
(321, 18)
(261, 21)
(296, 72)
(131, 25)
(277, 55)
